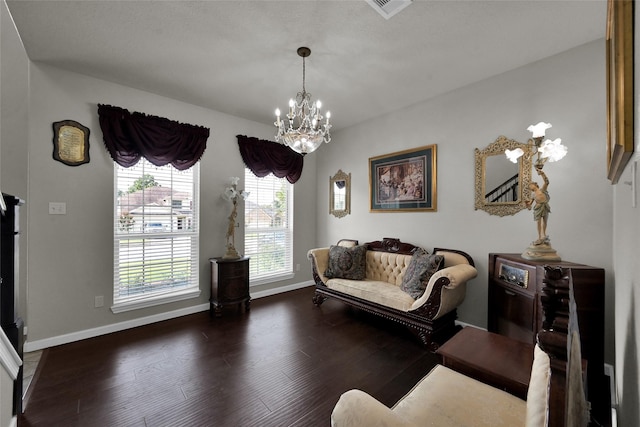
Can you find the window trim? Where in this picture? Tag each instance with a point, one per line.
(282, 275)
(154, 300)
(189, 292)
(271, 279)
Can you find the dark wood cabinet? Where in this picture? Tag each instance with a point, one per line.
(229, 284)
(514, 310)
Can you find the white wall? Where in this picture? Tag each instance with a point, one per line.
(567, 90)
(13, 134)
(626, 247)
(71, 256)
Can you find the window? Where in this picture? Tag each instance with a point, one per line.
(268, 232)
(155, 235)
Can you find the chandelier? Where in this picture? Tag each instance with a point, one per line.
(304, 131)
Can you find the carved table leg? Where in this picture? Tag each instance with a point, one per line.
(215, 309)
(318, 299)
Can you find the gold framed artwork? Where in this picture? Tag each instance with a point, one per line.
(70, 143)
(619, 51)
(403, 181)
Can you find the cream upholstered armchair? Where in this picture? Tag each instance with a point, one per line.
(448, 398)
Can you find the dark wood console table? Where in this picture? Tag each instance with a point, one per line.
(491, 358)
(229, 284)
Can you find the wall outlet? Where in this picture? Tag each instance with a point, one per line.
(297, 267)
(57, 208)
(99, 301)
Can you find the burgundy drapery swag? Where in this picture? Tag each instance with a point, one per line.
(129, 136)
(264, 157)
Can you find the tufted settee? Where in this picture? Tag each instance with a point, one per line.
(429, 312)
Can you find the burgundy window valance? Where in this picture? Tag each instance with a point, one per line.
(129, 136)
(265, 157)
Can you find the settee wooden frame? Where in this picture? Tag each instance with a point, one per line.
(420, 321)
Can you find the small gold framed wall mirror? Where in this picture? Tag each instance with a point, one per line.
(501, 186)
(340, 194)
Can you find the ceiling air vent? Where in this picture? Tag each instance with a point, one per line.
(388, 8)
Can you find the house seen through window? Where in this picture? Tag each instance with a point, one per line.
(268, 232)
(155, 235)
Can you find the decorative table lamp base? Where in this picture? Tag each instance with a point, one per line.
(231, 253)
(541, 252)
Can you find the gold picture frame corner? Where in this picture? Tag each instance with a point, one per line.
(620, 90)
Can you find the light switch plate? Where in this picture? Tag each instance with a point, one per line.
(57, 208)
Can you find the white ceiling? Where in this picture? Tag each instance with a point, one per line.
(239, 57)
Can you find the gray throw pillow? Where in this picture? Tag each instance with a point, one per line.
(420, 269)
(347, 262)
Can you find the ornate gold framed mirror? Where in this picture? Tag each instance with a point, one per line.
(340, 194)
(501, 186)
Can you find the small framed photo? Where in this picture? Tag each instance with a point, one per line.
(70, 143)
(403, 181)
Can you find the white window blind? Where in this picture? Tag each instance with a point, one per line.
(268, 233)
(155, 233)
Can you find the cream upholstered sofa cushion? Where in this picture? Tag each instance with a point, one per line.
(387, 267)
(454, 399)
(442, 398)
(374, 291)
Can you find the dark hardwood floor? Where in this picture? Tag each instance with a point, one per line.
(284, 363)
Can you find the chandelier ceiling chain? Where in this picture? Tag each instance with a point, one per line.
(304, 132)
(304, 73)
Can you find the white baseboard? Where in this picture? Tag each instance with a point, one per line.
(610, 372)
(464, 325)
(281, 289)
(121, 326)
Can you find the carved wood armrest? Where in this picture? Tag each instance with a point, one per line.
(430, 306)
(452, 281)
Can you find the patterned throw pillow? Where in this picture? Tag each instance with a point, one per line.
(347, 263)
(421, 267)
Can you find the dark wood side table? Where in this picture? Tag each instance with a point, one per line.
(491, 358)
(229, 284)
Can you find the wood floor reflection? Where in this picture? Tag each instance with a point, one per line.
(284, 363)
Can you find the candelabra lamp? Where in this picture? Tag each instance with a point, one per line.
(547, 150)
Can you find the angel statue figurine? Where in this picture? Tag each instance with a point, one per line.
(232, 194)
